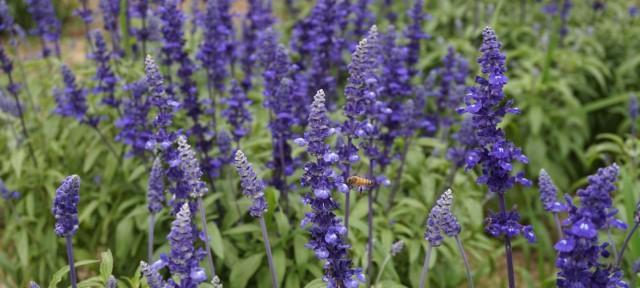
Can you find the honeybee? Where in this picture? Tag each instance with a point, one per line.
(360, 182)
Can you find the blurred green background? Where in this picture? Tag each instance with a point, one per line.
(574, 96)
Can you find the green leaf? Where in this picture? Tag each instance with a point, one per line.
(136, 173)
(60, 274)
(124, 238)
(216, 240)
(90, 159)
(243, 270)
(17, 159)
(22, 244)
(244, 228)
(106, 266)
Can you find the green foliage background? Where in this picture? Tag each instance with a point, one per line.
(574, 99)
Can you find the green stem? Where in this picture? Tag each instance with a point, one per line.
(425, 268)
(467, 267)
(267, 247)
(207, 244)
(626, 242)
(384, 264)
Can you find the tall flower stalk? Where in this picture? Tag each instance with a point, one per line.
(360, 92)
(47, 24)
(65, 211)
(579, 252)
(485, 102)
(253, 188)
(14, 90)
(110, 18)
(105, 76)
(328, 238)
(442, 221)
(213, 53)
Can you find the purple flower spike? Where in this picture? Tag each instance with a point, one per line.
(191, 172)
(579, 252)
(65, 206)
(252, 187)
(328, 239)
(441, 220)
(184, 259)
(135, 130)
(33, 285)
(237, 112)
(415, 33)
(163, 102)
(155, 187)
(111, 18)
(217, 40)
(104, 75)
(548, 192)
(72, 100)
(485, 104)
(47, 24)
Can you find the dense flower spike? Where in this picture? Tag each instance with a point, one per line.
(579, 252)
(237, 112)
(256, 21)
(72, 100)
(111, 18)
(441, 220)
(451, 87)
(184, 258)
(6, 194)
(155, 187)
(215, 46)
(191, 172)
(105, 77)
(33, 285)
(134, 125)
(328, 239)
(362, 83)
(47, 25)
(252, 187)
(318, 39)
(485, 104)
(548, 193)
(415, 34)
(163, 102)
(6, 20)
(65, 206)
